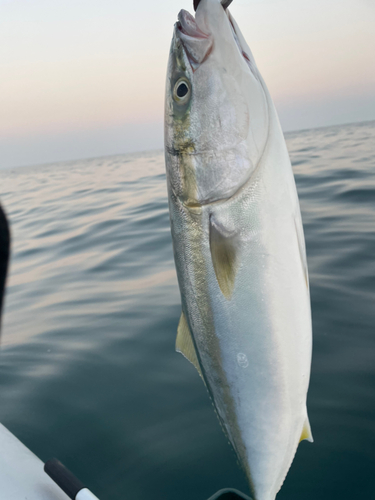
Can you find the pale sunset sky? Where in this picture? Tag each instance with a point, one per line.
(85, 78)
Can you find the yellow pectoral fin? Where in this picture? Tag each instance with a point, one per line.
(302, 251)
(306, 432)
(185, 345)
(224, 257)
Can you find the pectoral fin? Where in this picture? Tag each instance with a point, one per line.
(301, 248)
(224, 257)
(185, 345)
(306, 432)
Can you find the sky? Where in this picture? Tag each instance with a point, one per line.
(86, 78)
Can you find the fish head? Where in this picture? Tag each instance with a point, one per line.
(216, 114)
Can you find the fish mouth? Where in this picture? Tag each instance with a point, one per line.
(187, 25)
(197, 44)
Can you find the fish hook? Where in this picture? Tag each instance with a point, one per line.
(224, 3)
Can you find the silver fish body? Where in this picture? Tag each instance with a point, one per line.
(238, 245)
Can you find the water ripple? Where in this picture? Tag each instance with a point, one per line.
(88, 371)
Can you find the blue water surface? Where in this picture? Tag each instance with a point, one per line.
(88, 371)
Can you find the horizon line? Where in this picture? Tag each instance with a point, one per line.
(147, 151)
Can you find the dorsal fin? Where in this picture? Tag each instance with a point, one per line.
(306, 431)
(224, 257)
(185, 345)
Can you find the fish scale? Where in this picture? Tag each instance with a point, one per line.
(238, 245)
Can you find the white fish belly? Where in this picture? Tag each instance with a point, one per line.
(254, 348)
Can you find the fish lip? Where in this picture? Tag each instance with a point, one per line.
(187, 25)
(196, 44)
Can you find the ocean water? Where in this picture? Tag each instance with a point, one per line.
(88, 371)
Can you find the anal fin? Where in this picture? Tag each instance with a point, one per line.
(185, 345)
(306, 432)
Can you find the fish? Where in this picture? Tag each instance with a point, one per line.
(238, 245)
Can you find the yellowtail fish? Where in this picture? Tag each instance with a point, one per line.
(238, 244)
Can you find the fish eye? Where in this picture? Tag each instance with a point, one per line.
(181, 91)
